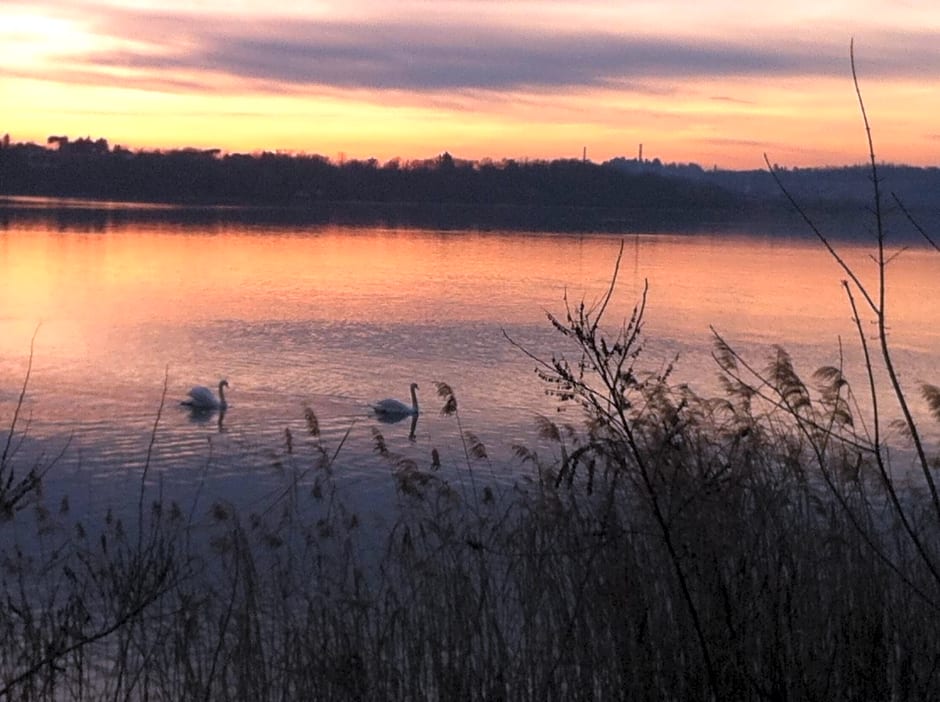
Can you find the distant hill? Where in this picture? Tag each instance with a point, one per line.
(916, 187)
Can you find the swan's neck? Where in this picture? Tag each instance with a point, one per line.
(222, 402)
(414, 400)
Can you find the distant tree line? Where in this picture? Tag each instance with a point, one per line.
(91, 169)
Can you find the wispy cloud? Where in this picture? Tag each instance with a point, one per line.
(402, 53)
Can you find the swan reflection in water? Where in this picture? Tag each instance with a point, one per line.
(389, 411)
(199, 415)
(395, 419)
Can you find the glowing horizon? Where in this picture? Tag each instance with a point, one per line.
(724, 85)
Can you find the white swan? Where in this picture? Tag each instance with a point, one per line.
(201, 397)
(388, 409)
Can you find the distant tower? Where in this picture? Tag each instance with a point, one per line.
(640, 157)
(584, 155)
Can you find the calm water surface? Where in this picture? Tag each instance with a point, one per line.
(333, 318)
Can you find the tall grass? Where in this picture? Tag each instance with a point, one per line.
(711, 561)
(750, 546)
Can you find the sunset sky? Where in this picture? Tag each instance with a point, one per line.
(716, 82)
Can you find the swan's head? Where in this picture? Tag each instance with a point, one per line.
(414, 386)
(223, 383)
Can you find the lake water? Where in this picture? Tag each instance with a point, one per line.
(335, 317)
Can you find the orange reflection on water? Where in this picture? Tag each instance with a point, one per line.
(83, 287)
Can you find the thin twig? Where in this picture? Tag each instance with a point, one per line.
(143, 476)
(914, 222)
(20, 400)
(881, 312)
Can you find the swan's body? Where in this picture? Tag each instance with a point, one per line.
(387, 409)
(201, 397)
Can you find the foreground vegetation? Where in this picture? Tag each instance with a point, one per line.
(760, 545)
(752, 546)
